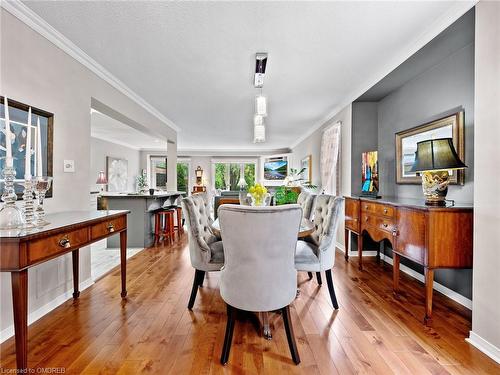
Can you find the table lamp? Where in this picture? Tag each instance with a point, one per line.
(433, 159)
(101, 180)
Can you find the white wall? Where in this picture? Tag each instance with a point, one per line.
(485, 332)
(100, 149)
(36, 72)
(312, 146)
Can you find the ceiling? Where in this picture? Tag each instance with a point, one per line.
(454, 38)
(193, 61)
(109, 129)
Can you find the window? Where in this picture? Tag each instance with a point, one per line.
(183, 176)
(158, 168)
(227, 175)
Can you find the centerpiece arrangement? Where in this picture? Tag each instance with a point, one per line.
(259, 195)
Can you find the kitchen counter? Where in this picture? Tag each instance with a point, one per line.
(141, 218)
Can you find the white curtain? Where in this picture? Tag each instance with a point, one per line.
(330, 145)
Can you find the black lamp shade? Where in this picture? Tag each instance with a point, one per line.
(436, 154)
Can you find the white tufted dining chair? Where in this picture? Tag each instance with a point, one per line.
(259, 273)
(306, 201)
(205, 249)
(316, 253)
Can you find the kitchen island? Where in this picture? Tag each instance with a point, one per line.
(141, 218)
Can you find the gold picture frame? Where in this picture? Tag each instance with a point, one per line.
(306, 164)
(406, 145)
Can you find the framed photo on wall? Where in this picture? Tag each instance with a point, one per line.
(117, 170)
(406, 145)
(275, 169)
(306, 166)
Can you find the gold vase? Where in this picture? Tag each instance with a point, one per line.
(435, 187)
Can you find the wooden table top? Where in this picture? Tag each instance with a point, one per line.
(62, 220)
(306, 228)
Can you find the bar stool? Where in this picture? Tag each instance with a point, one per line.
(180, 220)
(164, 224)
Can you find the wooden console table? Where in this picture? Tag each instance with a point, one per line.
(434, 237)
(66, 232)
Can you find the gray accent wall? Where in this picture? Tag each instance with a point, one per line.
(441, 90)
(364, 138)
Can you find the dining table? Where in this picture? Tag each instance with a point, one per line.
(305, 229)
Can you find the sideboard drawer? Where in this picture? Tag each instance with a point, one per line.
(106, 228)
(382, 223)
(50, 246)
(377, 209)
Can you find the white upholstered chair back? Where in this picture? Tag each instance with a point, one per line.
(327, 216)
(259, 249)
(306, 201)
(196, 209)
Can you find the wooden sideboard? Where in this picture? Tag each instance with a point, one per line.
(434, 237)
(66, 232)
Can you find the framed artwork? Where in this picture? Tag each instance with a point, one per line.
(18, 115)
(369, 174)
(406, 146)
(117, 170)
(306, 167)
(275, 168)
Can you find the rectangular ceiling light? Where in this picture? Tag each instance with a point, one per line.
(260, 69)
(259, 133)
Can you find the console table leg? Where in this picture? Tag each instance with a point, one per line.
(123, 262)
(395, 272)
(346, 245)
(76, 283)
(429, 280)
(360, 250)
(20, 305)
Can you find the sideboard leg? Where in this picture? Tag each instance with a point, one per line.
(360, 250)
(429, 281)
(123, 262)
(76, 284)
(346, 244)
(395, 272)
(20, 305)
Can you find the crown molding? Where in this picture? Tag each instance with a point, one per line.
(441, 23)
(42, 27)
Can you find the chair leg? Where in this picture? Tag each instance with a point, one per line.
(285, 312)
(329, 281)
(231, 317)
(196, 284)
(201, 279)
(310, 274)
(318, 277)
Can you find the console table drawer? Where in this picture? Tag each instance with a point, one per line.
(377, 209)
(104, 229)
(57, 244)
(378, 222)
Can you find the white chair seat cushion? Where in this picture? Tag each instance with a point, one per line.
(306, 257)
(216, 252)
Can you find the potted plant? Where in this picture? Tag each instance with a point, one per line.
(293, 183)
(142, 183)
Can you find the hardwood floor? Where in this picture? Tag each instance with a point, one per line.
(153, 332)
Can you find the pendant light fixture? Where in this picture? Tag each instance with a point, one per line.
(259, 128)
(261, 105)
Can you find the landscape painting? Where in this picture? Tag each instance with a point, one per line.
(276, 169)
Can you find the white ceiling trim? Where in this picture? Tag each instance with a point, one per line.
(38, 24)
(432, 31)
(124, 144)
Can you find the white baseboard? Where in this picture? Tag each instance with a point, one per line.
(485, 346)
(439, 287)
(38, 313)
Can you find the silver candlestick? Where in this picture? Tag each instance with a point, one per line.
(42, 185)
(10, 215)
(28, 208)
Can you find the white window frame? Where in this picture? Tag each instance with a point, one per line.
(241, 162)
(188, 162)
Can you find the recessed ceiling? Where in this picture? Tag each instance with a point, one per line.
(111, 130)
(194, 61)
(454, 38)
